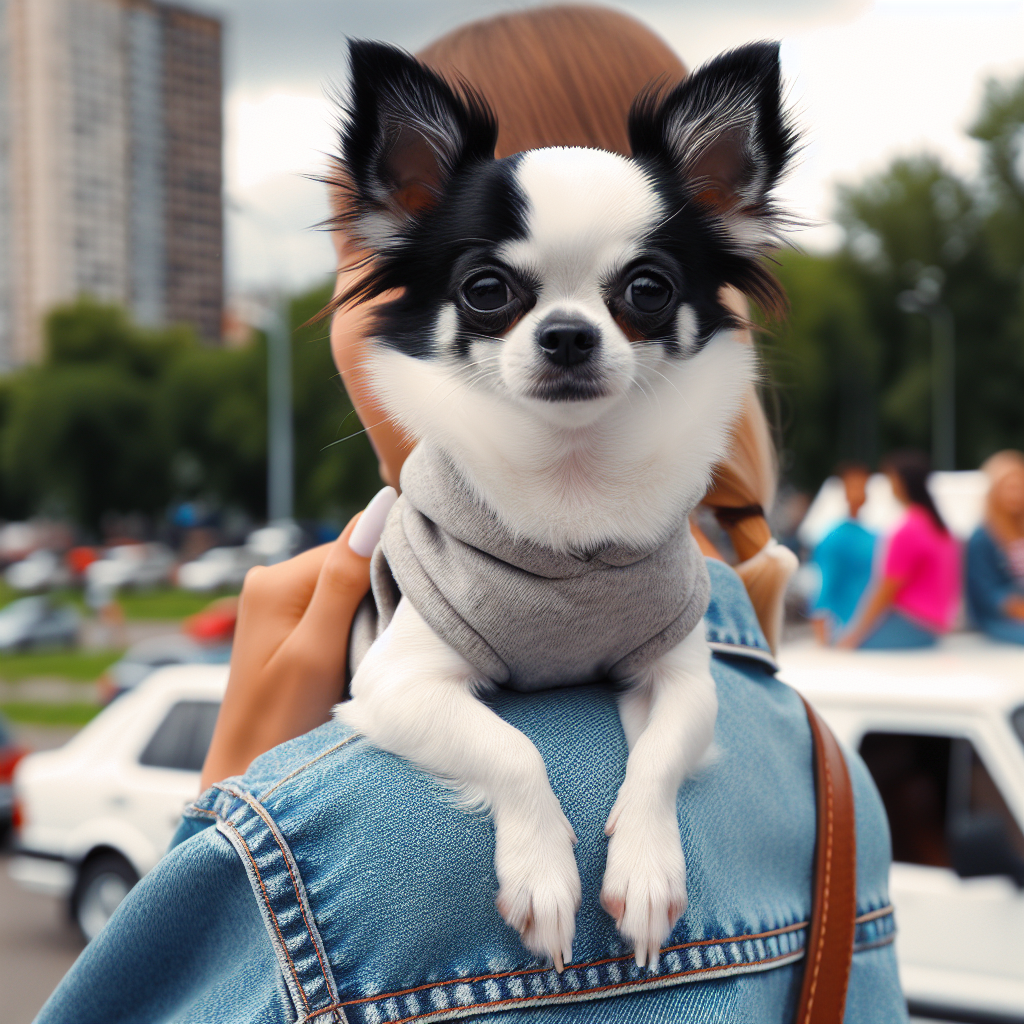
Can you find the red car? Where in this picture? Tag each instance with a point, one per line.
(10, 754)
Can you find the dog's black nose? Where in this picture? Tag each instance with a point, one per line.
(567, 342)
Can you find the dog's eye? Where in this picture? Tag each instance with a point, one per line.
(648, 293)
(486, 293)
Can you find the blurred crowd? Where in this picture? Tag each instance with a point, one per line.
(907, 585)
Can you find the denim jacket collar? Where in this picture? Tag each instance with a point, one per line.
(731, 624)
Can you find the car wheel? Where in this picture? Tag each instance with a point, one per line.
(103, 881)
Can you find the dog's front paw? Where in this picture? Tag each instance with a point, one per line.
(644, 886)
(539, 884)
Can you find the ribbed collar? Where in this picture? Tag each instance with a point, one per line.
(436, 487)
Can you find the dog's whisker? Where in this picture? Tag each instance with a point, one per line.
(643, 390)
(670, 383)
(349, 437)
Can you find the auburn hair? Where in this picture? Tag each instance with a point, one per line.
(568, 76)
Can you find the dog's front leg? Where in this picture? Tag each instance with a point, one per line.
(415, 697)
(668, 714)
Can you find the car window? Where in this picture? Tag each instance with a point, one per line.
(1017, 720)
(183, 737)
(931, 786)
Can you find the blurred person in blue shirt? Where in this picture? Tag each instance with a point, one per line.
(844, 557)
(995, 553)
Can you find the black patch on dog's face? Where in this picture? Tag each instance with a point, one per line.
(482, 208)
(689, 249)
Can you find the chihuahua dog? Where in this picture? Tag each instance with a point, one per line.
(557, 342)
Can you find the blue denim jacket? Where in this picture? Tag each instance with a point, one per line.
(340, 884)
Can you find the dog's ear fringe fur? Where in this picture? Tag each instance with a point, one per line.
(359, 132)
(745, 79)
(391, 91)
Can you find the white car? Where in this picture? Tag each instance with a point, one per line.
(131, 565)
(275, 542)
(41, 570)
(98, 813)
(32, 622)
(942, 732)
(216, 568)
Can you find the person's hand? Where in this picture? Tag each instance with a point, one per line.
(291, 643)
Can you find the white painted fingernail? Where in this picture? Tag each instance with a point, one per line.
(367, 531)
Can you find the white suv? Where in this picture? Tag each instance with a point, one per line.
(98, 813)
(942, 732)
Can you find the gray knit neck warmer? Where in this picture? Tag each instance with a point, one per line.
(526, 616)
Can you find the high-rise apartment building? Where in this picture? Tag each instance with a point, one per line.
(110, 164)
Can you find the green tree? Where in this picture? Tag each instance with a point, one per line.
(82, 433)
(854, 372)
(823, 365)
(120, 418)
(216, 402)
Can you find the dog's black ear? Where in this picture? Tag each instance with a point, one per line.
(724, 131)
(405, 132)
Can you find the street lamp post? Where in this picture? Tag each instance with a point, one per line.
(280, 429)
(280, 443)
(926, 298)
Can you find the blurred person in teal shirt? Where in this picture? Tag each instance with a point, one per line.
(995, 552)
(844, 557)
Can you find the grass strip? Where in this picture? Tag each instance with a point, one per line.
(167, 603)
(40, 713)
(161, 603)
(77, 666)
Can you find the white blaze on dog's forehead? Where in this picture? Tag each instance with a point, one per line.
(446, 326)
(585, 209)
(686, 326)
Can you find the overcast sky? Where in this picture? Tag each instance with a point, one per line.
(869, 80)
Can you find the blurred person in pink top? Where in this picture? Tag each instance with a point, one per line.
(916, 598)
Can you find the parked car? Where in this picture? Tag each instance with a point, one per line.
(11, 752)
(942, 732)
(131, 565)
(17, 540)
(274, 543)
(214, 626)
(41, 570)
(217, 568)
(141, 660)
(32, 622)
(98, 813)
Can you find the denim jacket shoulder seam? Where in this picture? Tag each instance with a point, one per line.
(231, 832)
(306, 764)
(278, 888)
(297, 887)
(538, 986)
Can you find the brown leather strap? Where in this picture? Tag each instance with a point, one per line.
(834, 909)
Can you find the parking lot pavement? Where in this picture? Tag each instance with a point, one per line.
(37, 945)
(37, 941)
